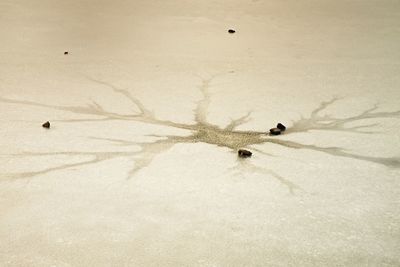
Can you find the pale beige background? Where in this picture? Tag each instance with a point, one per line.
(196, 204)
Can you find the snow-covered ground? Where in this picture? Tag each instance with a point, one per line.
(149, 108)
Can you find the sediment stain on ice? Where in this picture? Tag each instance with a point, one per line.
(202, 131)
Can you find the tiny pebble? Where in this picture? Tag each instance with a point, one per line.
(275, 131)
(66, 53)
(281, 127)
(244, 153)
(231, 31)
(46, 125)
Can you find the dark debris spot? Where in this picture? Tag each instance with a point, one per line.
(281, 127)
(275, 131)
(46, 125)
(244, 153)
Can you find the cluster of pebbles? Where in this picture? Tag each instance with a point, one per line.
(280, 128)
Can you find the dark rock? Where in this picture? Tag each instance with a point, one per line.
(46, 125)
(231, 31)
(281, 127)
(66, 53)
(244, 153)
(275, 131)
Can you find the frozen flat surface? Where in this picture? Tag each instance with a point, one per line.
(148, 109)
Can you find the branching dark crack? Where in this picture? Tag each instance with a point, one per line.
(201, 131)
(316, 121)
(246, 166)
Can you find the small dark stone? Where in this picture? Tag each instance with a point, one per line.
(66, 53)
(244, 153)
(275, 131)
(231, 31)
(281, 127)
(46, 125)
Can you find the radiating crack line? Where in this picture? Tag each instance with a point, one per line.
(201, 131)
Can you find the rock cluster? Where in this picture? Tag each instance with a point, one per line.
(280, 128)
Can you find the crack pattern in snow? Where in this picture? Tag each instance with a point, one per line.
(202, 131)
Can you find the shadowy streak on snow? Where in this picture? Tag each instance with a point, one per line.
(201, 131)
